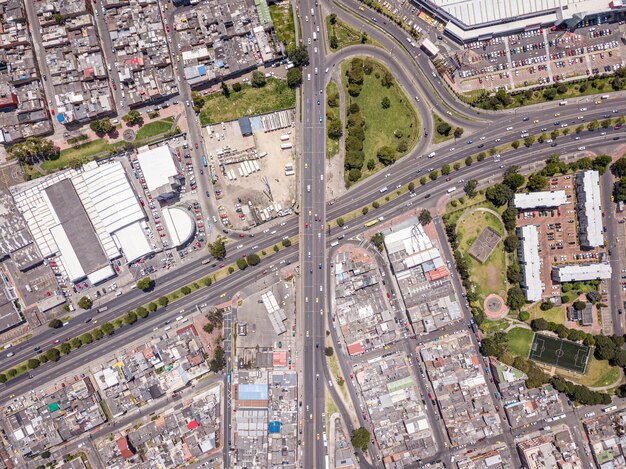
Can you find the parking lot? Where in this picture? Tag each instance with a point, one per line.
(558, 235)
(540, 56)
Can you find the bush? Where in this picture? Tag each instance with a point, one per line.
(145, 284)
(365, 210)
(328, 351)
(163, 301)
(524, 316)
(33, 363)
(237, 87)
(340, 221)
(375, 204)
(130, 318)
(241, 263)
(152, 306)
(142, 312)
(185, 290)
(84, 303)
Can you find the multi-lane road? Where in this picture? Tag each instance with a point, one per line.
(413, 72)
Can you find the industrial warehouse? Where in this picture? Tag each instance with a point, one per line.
(100, 201)
(471, 20)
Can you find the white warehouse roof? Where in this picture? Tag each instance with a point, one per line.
(112, 196)
(540, 199)
(530, 262)
(179, 224)
(581, 272)
(411, 239)
(133, 242)
(157, 166)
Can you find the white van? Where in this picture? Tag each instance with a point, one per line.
(430, 155)
(308, 187)
(563, 103)
(452, 189)
(179, 318)
(383, 190)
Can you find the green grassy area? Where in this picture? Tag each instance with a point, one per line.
(155, 128)
(519, 341)
(332, 146)
(78, 154)
(437, 137)
(580, 288)
(345, 34)
(383, 126)
(282, 18)
(30, 172)
(598, 374)
(555, 314)
(489, 327)
(274, 96)
(489, 277)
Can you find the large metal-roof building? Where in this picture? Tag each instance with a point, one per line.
(161, 172)
(85, 218)
(528, 252)
(470, 20)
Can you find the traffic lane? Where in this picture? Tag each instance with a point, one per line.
(128, 334)
(409, 169)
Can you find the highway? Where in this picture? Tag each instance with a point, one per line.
(313, 236)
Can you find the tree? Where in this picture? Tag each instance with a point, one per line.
(185, 290)
(58, 18)
(33, 363)
(594, 296)
(55, 323)
(53, 355)
(335, 131)
(3, 378)
(601, 162)
(152, 307)
(619, 167)
(386, 155)
(102, 126)
(163, 301)
(84, 303)
(579, 305)
(593, 125)
(456, 166)
(499, 194)
(142, 312)
(340, 221)
(512, 178)
(542, 138)
(253, 259)
(510, 243)
(65, 348)
(107, 328)
(218, 361)
(76, 343)
(237, 86)
(375, 204)
(515, 144)
(328, 351)
(258, 79)
(299, 56)
(371, 164)
(208, 327)
(218, 248)
(509, 217)
(443, 128)
(433, 175)
(446, 169)
(528, 141)
(294, 77)
(513, 273)
(145, 284)
(133, 117)
(469, 160)
(354, 174)
(333, 18)
(365, 210)
(385, 102)
(579, 129)
(536, 182)
(515, 298)
(458, 132)
(425, 217)
(524, 316)
(97, 334)
(34, 149)
(379, 241)
(130, 318)
(470, 187)
(387, 79)
(360, 438)
(546, 305)
(241, 263)
(225, 90)
(363, 37)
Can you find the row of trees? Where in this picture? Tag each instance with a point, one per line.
(33, 150)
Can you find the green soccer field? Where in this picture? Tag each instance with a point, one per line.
(560, 353)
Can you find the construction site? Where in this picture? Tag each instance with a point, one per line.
(251, 164)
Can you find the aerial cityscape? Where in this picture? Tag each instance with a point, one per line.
(330, 234)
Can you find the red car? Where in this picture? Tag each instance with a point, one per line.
(448, 179)
(241, 235)
(196, 146)
(243, 255)
(167, 28)
(221, 265)
(306, 225)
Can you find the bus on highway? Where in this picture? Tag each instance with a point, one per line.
(371, 223)
(204, 161)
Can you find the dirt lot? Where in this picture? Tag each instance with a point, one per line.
(558, 235)
(259, 185)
